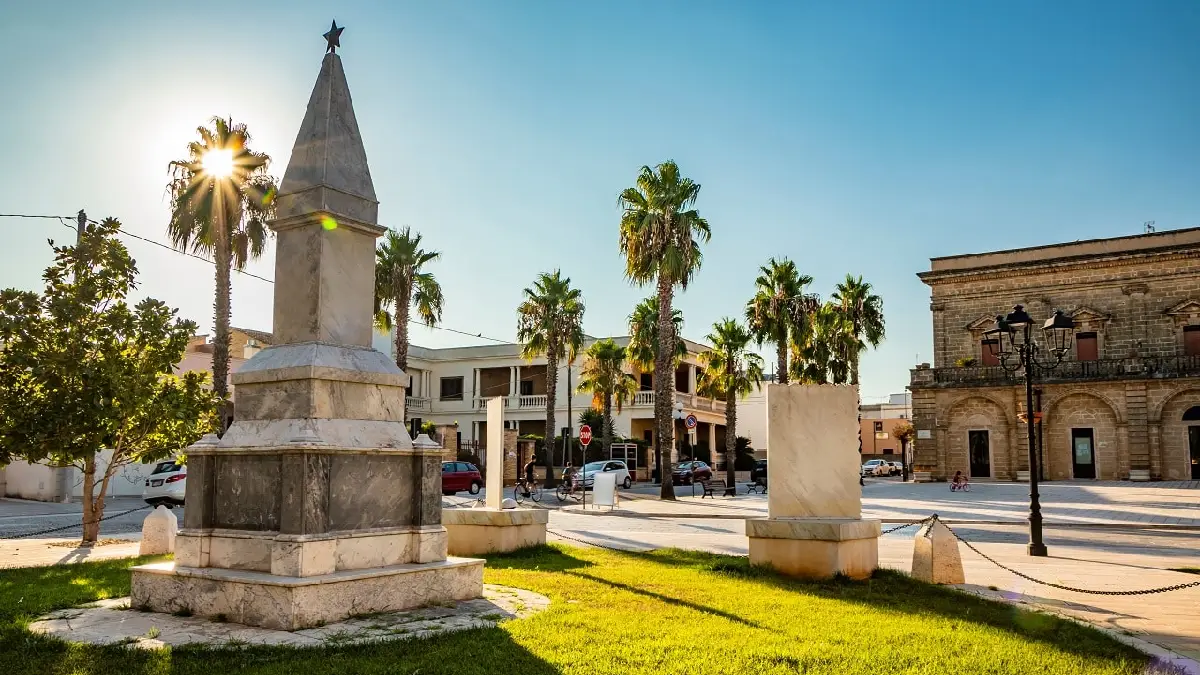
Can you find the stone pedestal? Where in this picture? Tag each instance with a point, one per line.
(480, 531)
(1023, 476)
(1139, 474)
(158, 532)
(935, 555)
(315, 506)
(922, 476)
(815, 548)
(814, 527)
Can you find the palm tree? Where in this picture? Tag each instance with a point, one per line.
(221, 200)
(823, 356)
(864, 310)
(905, 433)
(605, 378)
(550, 323)
(643, 335)
(660, 236)
(731, 371)
(401, 284)
(779, 311)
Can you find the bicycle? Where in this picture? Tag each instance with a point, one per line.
(960, 487)
(531, 490)
(572, 491)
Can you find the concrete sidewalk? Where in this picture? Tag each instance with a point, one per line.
(63, 551)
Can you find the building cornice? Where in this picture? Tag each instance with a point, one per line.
(1059, 265)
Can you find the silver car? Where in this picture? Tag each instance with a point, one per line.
(166, 484)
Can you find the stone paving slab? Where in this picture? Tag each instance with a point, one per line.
(113, 622)
(59, 551)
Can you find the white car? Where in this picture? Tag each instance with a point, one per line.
(875, 467)
(897, 468)
(166, 484)
(608, 466)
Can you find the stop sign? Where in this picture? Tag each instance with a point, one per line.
(585, 435)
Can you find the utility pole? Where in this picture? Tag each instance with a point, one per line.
(62, 479)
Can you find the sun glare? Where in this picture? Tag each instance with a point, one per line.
(218, 163)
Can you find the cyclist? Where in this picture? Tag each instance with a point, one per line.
(528, 476)
(567, 473)
(959, 482)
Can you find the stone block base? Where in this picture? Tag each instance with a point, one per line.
(815, 548)
(1139, 474)
(480, 531)
(1022, 476)
(922, 476)
(293, 603)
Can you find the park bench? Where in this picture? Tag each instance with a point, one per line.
(713, 484)
(759, 486)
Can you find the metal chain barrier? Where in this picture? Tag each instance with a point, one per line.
(52, 530)
(1147, 591)
(586, 542)
(922, 521)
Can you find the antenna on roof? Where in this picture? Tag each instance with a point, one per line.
(1149, 224)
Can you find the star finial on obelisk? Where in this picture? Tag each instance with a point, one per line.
(333, 37)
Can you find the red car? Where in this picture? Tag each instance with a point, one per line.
(461, 477)
(691, 472)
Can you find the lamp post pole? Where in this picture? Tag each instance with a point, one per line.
(1013, 336)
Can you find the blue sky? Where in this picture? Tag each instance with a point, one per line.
(858, 137)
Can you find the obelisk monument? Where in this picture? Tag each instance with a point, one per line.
(315, 505)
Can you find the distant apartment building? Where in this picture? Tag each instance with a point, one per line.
(1125, 404)
(450, 387)
(878, 423)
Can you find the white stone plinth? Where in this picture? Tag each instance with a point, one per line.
(935, 555)
(1022, 476)
(812, 431)
(815, 548)
(480, 531)
(1139, 474)
(158, 532)
(294, 603)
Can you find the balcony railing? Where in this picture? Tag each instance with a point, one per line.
(417, 404)
(531, 401)
(646, 399)
(1067, 371)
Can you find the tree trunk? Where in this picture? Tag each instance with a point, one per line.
(608, 427)
(664, 387)
(221, 311)
(551, 395)
(93, 509)
(403, 301)
(781, 356)
(730, 438)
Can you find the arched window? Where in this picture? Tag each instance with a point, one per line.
(1192, 414)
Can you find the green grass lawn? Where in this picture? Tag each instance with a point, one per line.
(621, 613)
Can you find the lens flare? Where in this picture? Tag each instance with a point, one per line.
(218, 163)
(328, 223)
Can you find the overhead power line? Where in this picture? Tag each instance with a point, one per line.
(66, 221)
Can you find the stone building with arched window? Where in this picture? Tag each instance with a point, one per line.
(1125, 402)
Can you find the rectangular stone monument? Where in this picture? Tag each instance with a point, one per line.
(314, 506)
(814, 527)
(494, 529)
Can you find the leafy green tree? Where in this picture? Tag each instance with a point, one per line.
(221, 201)
(779, 311)
(824, 355)
(550, 323)
(401, 283)
(731, 371)
(643, 335)
(863, 311)
(83, 371)
(660, 237)
(605, 378)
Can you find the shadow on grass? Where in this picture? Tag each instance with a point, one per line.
(543, 558)
(896, 592)
(668, 599)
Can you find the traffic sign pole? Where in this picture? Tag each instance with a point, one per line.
(585, 439)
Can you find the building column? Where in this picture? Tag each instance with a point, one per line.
(712, 439)
(517, 383)
(512, 381)
(475, 388)
(691, 379)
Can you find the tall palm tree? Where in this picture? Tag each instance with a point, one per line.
(604, 376)
(823, 356)
(864, 310)
(731, 371)
(550, 323)
(221, 199)
(779, 311)
(401, 283)
(660, 236)
(643, 335)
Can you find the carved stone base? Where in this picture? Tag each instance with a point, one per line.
(479, 531)
(815, 548)
(293, 603)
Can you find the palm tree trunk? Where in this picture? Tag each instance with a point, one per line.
(781, 357)
(403, 307)
(730, 438)
(608, 426)
(664, 387)
(551, 395)
(221, 310)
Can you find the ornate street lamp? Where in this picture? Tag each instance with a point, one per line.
(1014, 342)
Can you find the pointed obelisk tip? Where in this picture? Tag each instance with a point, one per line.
(333, 39)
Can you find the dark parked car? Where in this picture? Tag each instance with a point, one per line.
(460, 477)
(690, 472)
(759, 472)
